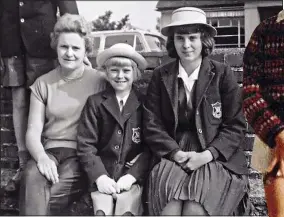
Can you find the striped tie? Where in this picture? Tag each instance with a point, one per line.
(121, 105)
(182, 95)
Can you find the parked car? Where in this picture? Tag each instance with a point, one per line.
(150, 45)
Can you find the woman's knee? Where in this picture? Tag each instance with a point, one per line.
(192, 208)
(174, 207)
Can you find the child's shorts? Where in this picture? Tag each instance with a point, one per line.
(127, 201)
(24, 70)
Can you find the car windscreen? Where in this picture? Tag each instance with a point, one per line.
(114, 39)
(156, 43)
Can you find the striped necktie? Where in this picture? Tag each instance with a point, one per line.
(121, 105)
(182, 95)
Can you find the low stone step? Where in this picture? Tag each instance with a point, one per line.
(84, 206)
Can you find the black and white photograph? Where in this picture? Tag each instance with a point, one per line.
(142, 108)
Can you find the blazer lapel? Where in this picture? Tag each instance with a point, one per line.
(111, 104)
(169, 77)
(206, 75)
(130, 106)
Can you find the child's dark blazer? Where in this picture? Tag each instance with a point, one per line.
(107, 139)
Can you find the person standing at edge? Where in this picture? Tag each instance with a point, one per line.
(25, 28)
(193, 122)
(264, 102)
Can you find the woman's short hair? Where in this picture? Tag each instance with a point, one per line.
(208, 42)
(72, 23)
(123, 61)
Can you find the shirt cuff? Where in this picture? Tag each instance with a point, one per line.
(172, 153)
(214, 152)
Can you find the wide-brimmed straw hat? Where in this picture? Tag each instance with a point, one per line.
(121, 50)
(188, 16)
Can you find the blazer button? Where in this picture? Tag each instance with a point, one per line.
(116, 147)
(119, 132)
(197, 112)
(199, 131)
(22, 20)
(21, 3)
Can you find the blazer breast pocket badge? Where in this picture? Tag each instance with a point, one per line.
(136, 138)
(217, 110)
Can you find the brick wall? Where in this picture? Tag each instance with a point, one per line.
(9, 161)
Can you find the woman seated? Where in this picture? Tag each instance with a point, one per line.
(193, 122)
(110, 144)
(53, 177)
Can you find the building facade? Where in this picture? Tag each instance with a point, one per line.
(234, 20)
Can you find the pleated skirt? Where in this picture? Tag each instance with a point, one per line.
(217, 189)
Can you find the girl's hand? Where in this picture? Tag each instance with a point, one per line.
(106, 185)
(180, 157)
(48, 168)
(125, 182)
(196, 160)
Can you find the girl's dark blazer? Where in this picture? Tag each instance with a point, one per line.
(108, 139)
(216, 89)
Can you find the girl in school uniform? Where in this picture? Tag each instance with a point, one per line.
(193, 123)
(109, 136)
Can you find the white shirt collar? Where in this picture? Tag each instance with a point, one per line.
(182, 73)
(124, 99)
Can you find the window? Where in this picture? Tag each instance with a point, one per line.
(224, 22)
(114, 39)
(230, 30)
(156, 43)
(97, 41)
(139, 45)
(96, 45)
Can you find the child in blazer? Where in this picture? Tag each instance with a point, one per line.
(109, 136)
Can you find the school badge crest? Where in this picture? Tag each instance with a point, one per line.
(136, 138)
(217, 111)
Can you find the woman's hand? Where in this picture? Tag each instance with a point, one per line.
(106, 185)
(196, 160)
(48, 168)
(278, 156)
(125, 182)
(180, 157)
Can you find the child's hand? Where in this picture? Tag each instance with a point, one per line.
(106, 185)
(125, 182)
(180, 157)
